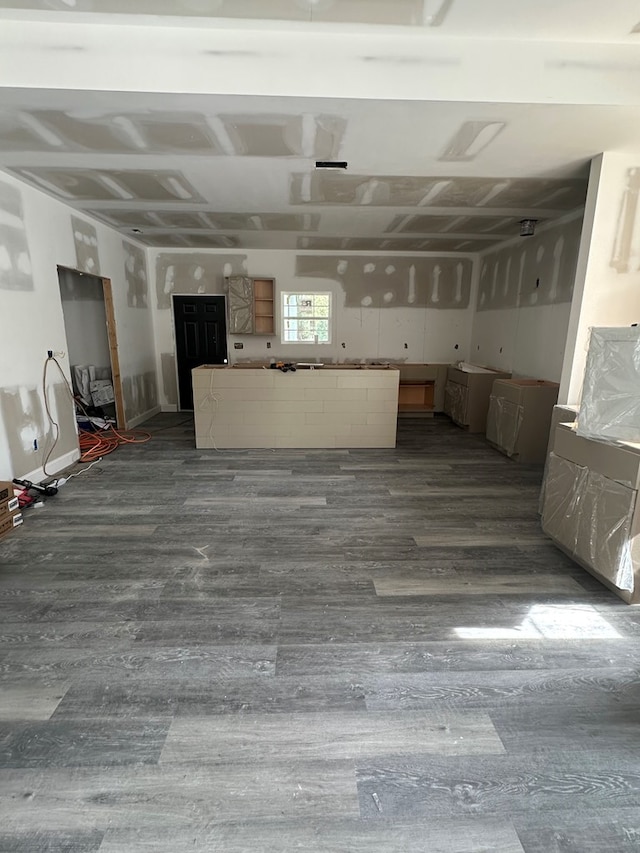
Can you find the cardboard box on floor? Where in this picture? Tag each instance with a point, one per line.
(467, 393)
(8, 523)
(519, 417)
(8, 500)
(590, 508)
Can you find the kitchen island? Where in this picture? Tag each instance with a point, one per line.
(258, 407)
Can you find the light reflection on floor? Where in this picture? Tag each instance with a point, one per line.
(550, 621)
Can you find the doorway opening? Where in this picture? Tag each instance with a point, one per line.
(92, 346)
(201, 338)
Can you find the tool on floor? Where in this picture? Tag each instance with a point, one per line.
(49, 491)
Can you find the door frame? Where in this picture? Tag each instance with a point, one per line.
(112, 339)
(175, 343)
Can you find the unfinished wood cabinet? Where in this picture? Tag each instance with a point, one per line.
(264, 306)
(421, 388)
(251, 305)
(416, 396)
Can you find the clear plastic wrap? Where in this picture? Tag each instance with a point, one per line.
(467, 367)
(504, 420)
(240, 297)
(604, 535)
(455, 401)
(610, 406)
(563, 493)
(592, 518)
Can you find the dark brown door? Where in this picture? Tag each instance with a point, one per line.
(201, 338)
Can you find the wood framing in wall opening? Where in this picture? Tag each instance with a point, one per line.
(102, 285)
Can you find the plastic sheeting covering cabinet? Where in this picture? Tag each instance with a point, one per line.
(503, 423)
(594, 520)
(455, 402)
(240, 304)
(610, 406)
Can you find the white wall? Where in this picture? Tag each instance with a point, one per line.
(36, 235)
(430, 334)
(608, 282)
(524, 301)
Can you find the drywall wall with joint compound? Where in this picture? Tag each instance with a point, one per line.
(524, 300)
(607, 289)
(386, 307)
(36, 235)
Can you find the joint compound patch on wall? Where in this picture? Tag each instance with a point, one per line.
(25, 421)
(625, 254)
(169, 377)
(85, 238)
(140, 394)
(135, 270)
(392, 282)
(539, 270)
(15, 258)
(194, 273)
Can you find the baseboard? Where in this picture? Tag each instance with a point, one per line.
(54, 466)
(134, 422)
(169, 407)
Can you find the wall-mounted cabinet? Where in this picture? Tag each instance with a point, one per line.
(251, 305)
(264, 306)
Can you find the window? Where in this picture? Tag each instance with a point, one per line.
(306, 318)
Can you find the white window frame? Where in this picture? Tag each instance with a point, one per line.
(283, 324)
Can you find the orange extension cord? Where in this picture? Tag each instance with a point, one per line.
(95, 445)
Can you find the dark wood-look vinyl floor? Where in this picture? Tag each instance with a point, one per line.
(331, 651)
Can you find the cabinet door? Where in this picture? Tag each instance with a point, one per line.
(240, 302)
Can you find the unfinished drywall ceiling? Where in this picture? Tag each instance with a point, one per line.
(577, 20)
(384, 244)
(208, 220)
(190, 241)
(393, 281)
(227, 172)
(110, 185)
(161, 132)
(486, 227)
(397, 12)
(445, 191)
